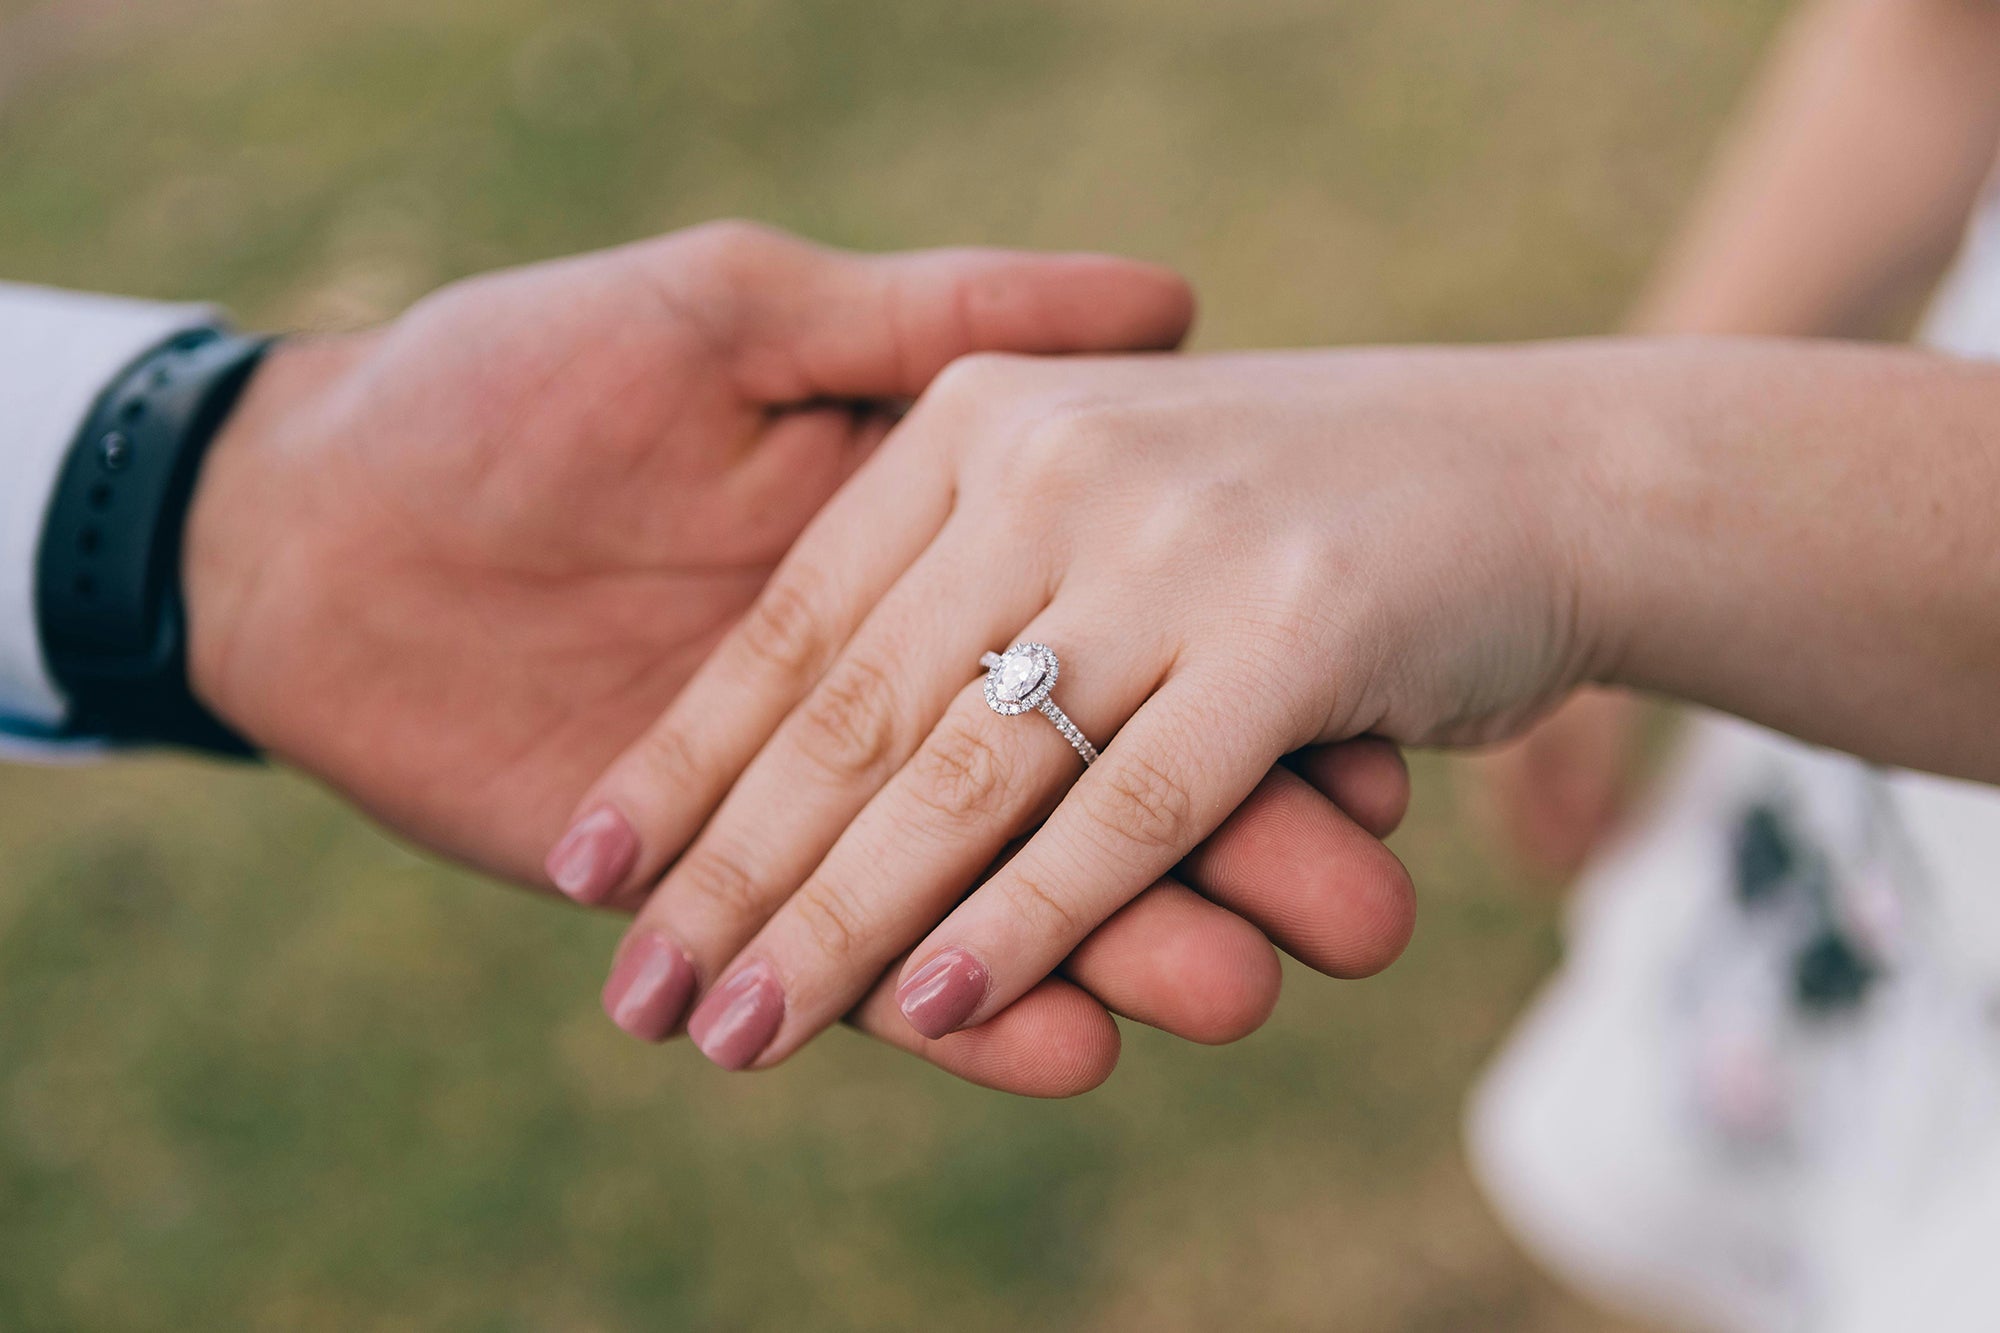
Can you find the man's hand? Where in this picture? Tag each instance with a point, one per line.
(454, 565)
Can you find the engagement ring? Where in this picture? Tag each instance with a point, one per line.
(1020, 679)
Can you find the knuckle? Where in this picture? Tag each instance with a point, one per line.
(666, 756)
(1181, 520)
(1047, 913)
(721, 881)
(1137, 801)
(848, 725)
(834, 919)
(729, 241)
(973, 379)
(1057, 439)
(1068, 449)
(710, 276)
(782, 630)
(961, 774)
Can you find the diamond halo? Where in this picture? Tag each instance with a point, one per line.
(1020, 678)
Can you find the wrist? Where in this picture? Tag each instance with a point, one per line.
(249, 504)
(1680, 439)
(1619, 444)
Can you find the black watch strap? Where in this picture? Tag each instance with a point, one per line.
(108, 576)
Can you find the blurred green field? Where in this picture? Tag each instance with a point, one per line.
(260, 1068)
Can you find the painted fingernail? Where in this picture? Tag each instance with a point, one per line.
(734, 1025)
(941, 995)
(594, 856)
(649, 987)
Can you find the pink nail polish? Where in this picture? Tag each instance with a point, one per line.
(594, 856)
(649, 986)
(734, 1025)
(943, 993)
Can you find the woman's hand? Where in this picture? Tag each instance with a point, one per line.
(1234, 557)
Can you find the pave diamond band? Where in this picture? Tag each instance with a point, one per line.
(1020, 679)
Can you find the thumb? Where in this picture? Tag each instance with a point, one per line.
(806, 321)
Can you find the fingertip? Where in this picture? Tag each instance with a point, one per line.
(1292, 863)
(1158, 302)
(1175, 305)
(1367, 777)
(941, 994)
(595, 856)
(1355, 912)
(1175, 961)
(1229, 987)
(1053, 1042)
(650, 986)
(1078, 302)
(1381, 907)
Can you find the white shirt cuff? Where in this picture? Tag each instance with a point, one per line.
(58, 352)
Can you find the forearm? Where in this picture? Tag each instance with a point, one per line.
(1858, 161)
(1806, 535)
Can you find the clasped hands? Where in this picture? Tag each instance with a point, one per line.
(669, 569)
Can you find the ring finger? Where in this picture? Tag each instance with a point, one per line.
(848, 737)
(976, 782)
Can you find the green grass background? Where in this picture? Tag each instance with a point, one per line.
(260, 1068)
